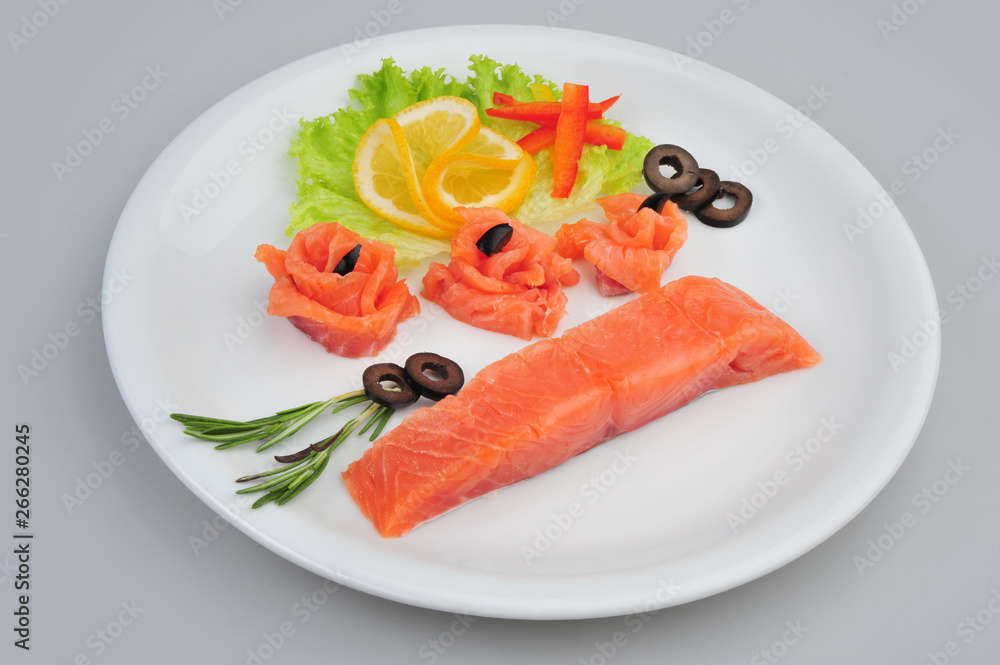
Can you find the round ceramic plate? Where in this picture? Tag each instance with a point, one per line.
(713, 495)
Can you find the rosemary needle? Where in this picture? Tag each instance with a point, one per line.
(269, 430)
(304, 467)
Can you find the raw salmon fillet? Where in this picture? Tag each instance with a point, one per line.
(633, 249)
(536, 408)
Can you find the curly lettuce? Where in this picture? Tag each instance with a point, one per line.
(324, 149)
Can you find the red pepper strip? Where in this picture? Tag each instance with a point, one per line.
(568, 146)
(600, 133)
(538, 112)
(537, 140)
(500, 99)
(596, 133)
(607, 103)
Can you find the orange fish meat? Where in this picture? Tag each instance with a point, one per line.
(536, 408)
(633, 249)
(516, 291)
(352, 315)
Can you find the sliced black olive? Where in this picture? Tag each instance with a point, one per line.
(350, 260)
(451, 376)
(655, 201)
(677, 157)
(495, 239)
(404, 393)
(709, 181)
(723, 218)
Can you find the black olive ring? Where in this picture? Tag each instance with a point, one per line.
(724, 218)
(372, 379)
(679, 158)
(709, 181)
(451, 381)
(655, 201)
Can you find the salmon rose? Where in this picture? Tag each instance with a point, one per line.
(633, 249)
(516, 291)
(352, 314)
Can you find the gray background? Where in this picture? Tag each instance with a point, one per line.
(128, 543)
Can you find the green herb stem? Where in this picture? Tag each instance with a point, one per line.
(270, 430)
(292, 479)
(298, 470)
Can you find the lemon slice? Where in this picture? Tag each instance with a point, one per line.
(491, 143)
(415, 168)
(492, 172)
(475, 181)
(408, 167)
(380, 181)
(437, 126)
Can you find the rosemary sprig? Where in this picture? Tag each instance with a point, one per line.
(300, 469)
(270, 430)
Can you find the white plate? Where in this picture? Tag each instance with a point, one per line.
(805, 451)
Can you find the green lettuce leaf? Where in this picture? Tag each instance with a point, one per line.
(324, 150)
(489, 76)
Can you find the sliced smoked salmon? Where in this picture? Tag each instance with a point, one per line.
(516, 291)
(556, 398)
(352, 314)
(633, 249)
